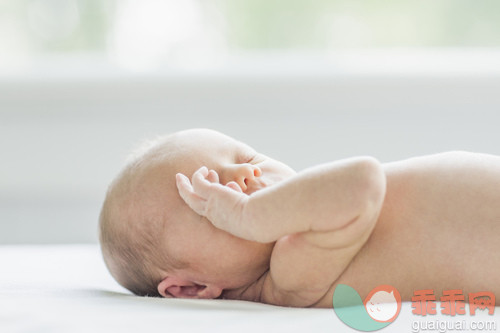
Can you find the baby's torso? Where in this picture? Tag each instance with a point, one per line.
(439, 229)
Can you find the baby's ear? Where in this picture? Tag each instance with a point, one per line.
(172, 286)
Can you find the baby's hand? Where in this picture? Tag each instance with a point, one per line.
(221, 205)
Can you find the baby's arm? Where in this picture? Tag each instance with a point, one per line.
(320, 219)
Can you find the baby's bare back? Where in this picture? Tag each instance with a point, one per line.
(439, 229)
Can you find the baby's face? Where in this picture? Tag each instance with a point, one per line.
(216, 256)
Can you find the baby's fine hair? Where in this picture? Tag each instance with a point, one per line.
(130, 237)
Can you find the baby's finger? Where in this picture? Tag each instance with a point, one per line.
(185, 188)
(201, 185)
(187, 194)
(201, 172)
(234, 186)
(213, 177)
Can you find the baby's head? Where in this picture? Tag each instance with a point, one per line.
(154, 244)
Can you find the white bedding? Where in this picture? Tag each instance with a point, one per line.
(66, 288)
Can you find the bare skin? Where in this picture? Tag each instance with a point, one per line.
(275, 236)
(439, 229)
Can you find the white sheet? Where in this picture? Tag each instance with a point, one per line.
(66, 288)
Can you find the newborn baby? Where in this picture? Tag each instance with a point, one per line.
(198, 214)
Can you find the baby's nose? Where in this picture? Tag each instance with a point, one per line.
(243, 173)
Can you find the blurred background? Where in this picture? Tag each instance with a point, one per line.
(84, 81)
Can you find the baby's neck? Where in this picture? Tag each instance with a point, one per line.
(251, 292)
